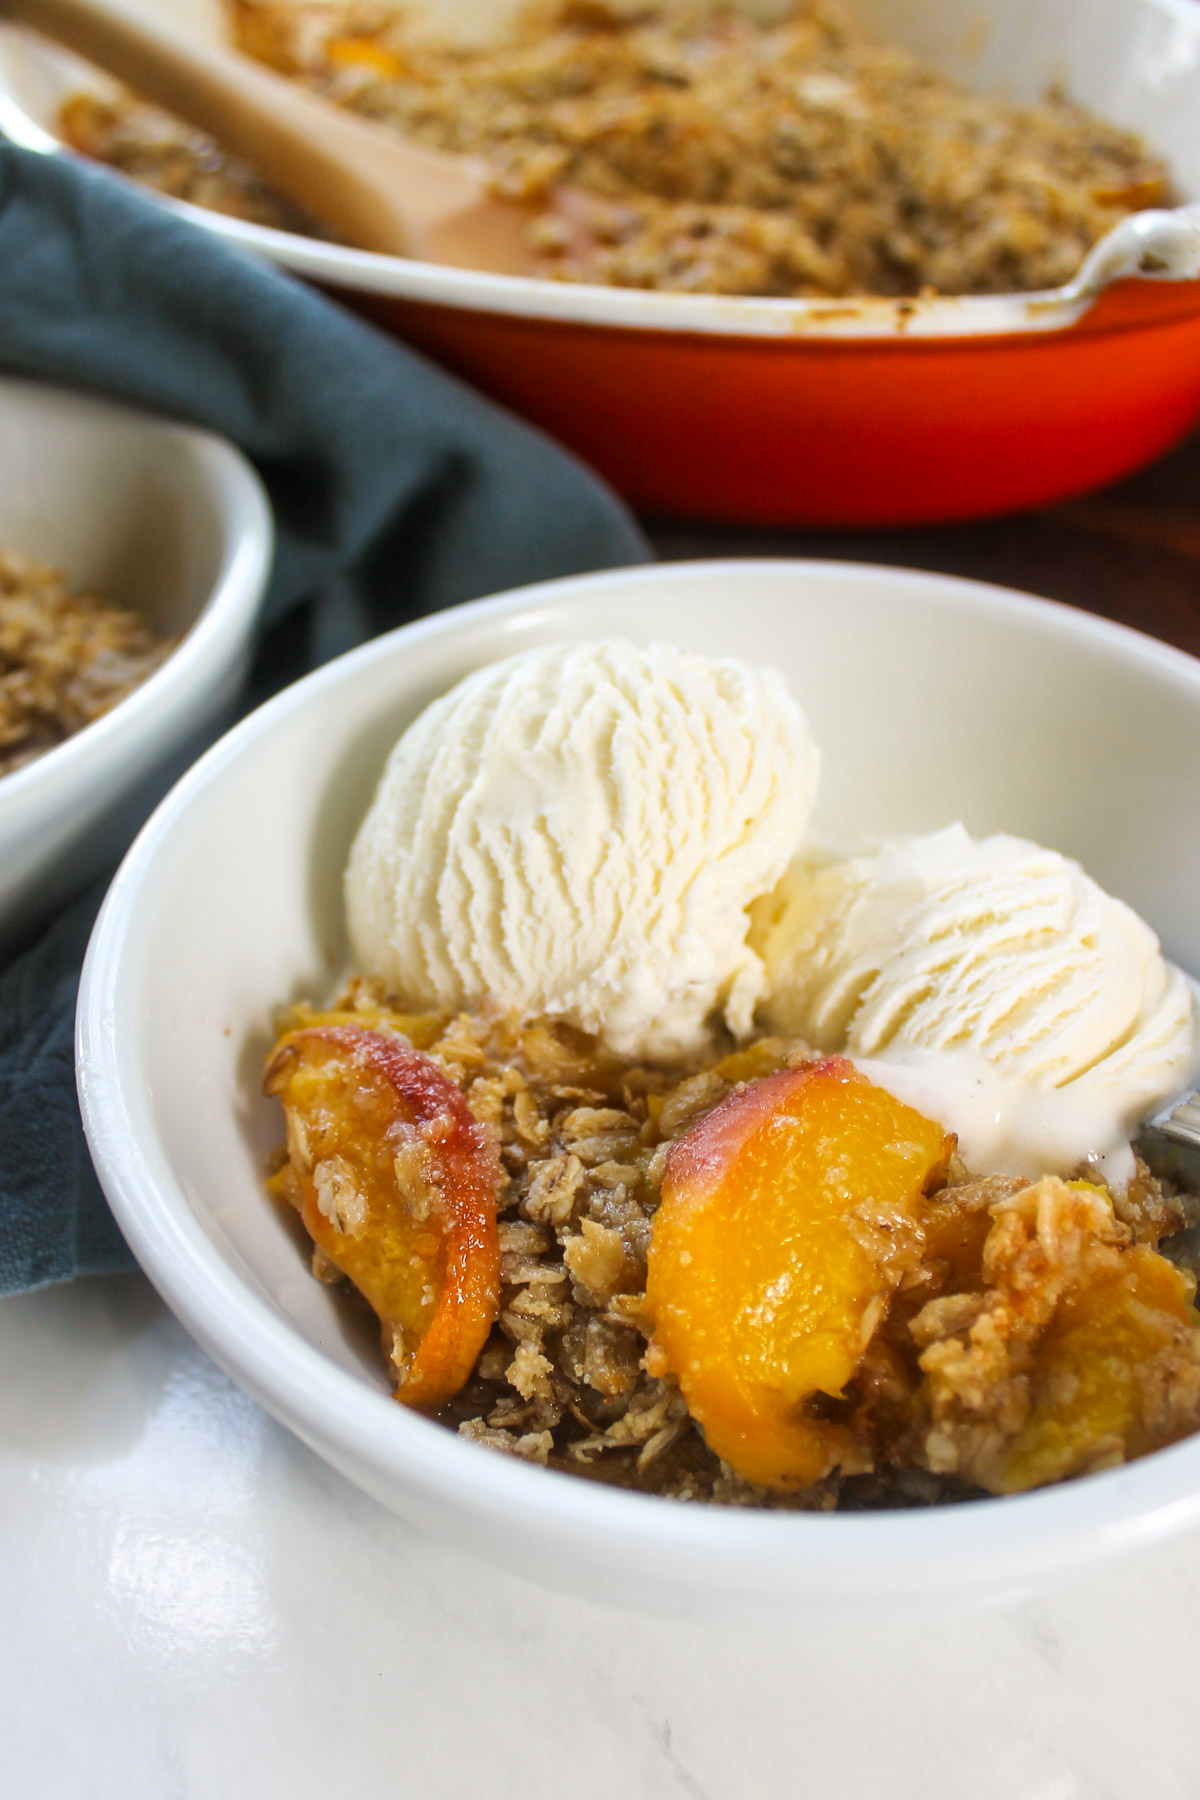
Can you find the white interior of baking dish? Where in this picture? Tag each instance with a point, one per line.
(1135, 62)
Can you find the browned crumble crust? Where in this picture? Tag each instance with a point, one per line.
(163, 153)
(583, 1139)
(978, 1349)
(564, 1379)
(64, 658)
(711, 154)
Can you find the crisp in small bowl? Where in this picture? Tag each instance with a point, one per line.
(160, 517)
(933, 700)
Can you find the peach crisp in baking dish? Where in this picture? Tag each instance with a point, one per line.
(709, 152)
(672, 1151)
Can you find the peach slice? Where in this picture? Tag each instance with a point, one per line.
(365, 53)
(1094, 1376)
(1115, 1370)
(762, 1295)
(396, 1182)
(1074, 1349)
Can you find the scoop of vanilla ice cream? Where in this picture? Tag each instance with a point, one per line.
(579, 831)
(997, 957)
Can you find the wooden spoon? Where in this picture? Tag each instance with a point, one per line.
(367, 186)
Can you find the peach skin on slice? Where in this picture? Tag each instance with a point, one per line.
(396, 1182)
(760, 1293)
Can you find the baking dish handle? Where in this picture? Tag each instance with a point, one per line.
(1156, 245)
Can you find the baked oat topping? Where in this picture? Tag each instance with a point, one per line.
(709, 153)
(65, 659)
(971, 1380)
(161, 152)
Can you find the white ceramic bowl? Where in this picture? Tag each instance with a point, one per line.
(164, 518)
(933, 699)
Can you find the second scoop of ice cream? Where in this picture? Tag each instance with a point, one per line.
(1003, 989)
(579, 831)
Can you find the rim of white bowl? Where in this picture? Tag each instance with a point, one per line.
(973, 1546)
(213, 639)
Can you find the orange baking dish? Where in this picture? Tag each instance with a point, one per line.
(862, 431)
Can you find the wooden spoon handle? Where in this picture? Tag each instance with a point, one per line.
(302, 145)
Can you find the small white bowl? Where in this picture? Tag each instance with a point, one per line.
(161, 517)
(933, 700)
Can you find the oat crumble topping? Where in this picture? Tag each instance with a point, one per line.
(65, 659)
(710, 154)
(568, 1378)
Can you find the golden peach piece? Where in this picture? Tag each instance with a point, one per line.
(365, 53)
(1096, 1369)
(762, 1293)
(396, 1183)
(1079, 1348)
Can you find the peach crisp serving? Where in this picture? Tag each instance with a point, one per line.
(672, 1152)
(762, 1280)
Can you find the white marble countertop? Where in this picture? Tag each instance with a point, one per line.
(194, 1607)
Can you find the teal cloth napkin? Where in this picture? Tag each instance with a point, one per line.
(396, 491)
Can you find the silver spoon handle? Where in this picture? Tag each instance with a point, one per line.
(1181, 1124)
